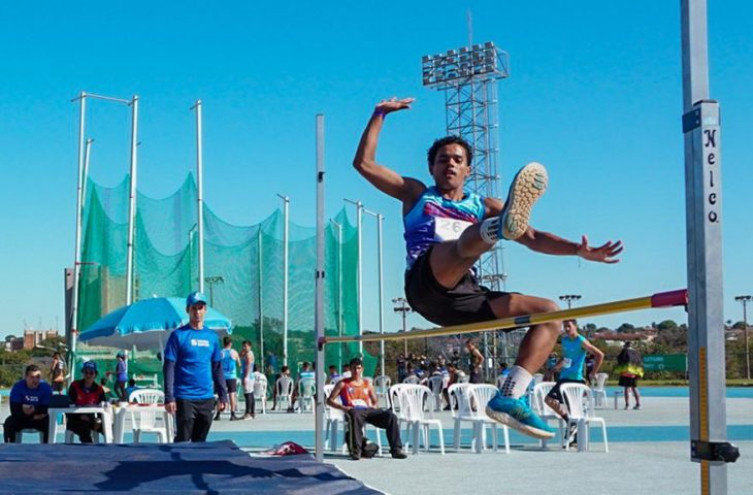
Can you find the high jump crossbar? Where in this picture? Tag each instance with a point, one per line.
(658, 300)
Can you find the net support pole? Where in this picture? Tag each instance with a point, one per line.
(261, 304)
(73, 325)
(701, 128)
(319, 316)
(285, 274)
(132, 199)
(380, 221)
(200, 191)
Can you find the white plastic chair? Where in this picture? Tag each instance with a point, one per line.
(460, 406)
(382, 389)
(580, 407)
(480, 395)
(20, 434)
(306, 392)
(260, 392)
(147, 396)
(333, 419)
(147, 419)
(546, 413)
(599, 390)
(284, 388)
(436, 385)
(411, 379)
(412, 399)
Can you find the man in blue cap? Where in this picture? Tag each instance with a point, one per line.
(86, 392)
(193, 370)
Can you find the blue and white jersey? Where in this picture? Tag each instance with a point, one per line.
(574, 356)
(229, 369)
(434, 219)
(22, 394)
(193, 352)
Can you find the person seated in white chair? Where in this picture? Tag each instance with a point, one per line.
(357, 400)
(86, 392)
(29, 400)
(307, 373)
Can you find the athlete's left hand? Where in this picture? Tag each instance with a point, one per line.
(222, 406)
(605, 253)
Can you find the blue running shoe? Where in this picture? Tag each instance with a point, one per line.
(516, 414)
(526, 188)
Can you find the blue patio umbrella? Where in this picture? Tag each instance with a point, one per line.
(146, 324)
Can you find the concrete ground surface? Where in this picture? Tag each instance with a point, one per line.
(649, 453)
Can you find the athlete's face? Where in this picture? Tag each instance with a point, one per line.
(196, 314)
(571, 329)
(450, 167)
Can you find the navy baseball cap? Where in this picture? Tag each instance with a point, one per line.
(89, 366)
(195, 298)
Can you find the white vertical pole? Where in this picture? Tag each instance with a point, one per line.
(339, 292)
(359, 222)
(261, 305)
(200, 191)
(319, 318)
(132, 199)
(380, 219)
(285, 271)
(77, 251)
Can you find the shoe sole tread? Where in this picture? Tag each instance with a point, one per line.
(527, 187)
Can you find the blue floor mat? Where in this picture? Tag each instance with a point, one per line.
(212, 467)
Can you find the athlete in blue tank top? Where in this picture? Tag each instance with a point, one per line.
(571, 366)
(448, 229)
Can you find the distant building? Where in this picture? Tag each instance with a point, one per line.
(34, 338)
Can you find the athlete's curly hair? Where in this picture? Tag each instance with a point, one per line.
(431, 154)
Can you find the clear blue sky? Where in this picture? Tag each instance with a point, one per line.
(594, 93)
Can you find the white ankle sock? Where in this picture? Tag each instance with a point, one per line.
(489, 230)
(517, 383)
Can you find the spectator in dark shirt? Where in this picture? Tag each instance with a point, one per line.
(86, 392)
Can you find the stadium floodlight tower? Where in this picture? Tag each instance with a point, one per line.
(468, 77)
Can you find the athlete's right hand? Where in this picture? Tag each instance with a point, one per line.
(393, 104)
(170, 407)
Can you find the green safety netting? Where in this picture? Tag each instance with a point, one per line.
(243, 270)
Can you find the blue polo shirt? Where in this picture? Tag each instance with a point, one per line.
(193, 352)
(22, 394)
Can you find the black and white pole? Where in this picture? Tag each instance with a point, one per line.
(319, 312)
(703, 180)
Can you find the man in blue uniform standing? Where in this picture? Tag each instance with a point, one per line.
(448, 229)
(29, 400)
(192, 370)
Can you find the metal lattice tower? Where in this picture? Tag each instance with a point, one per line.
(468, 77)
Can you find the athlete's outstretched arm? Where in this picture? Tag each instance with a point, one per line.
(545, 242)
(386, 180)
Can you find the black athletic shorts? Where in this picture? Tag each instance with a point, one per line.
(232, 385)
(467, 302)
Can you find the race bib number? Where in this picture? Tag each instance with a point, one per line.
(567, 362)
(360, 403)
(449, 229)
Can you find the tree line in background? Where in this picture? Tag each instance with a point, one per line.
(670, 338)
